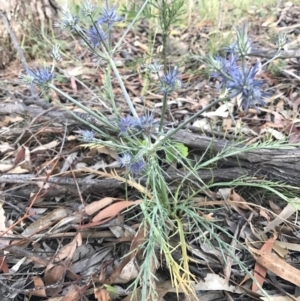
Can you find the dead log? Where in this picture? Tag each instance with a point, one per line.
(270, 163)
(265, 163)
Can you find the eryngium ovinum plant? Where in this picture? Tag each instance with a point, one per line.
(168, 214)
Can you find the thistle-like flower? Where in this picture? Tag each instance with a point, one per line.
(96, 36)
(243, 43)
(87, 8)
(55, 54)
(154, 67)
(281, 40)
(68, 20)
(170, 81)
(232, 48)
(87, 136)
(125, 160)
(125, 123)
(132, 165)
(243, 83)
(109, 16)
(146, 124)
(223, 67)
(137, 167)
(38, 76)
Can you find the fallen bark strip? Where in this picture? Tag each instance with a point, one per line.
(67, 186)
(55, 114)
(267, 53)
(274, 164)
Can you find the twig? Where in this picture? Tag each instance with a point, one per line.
(267, 53)
(20, 251)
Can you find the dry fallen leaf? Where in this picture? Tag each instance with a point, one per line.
(3, 264)
(76, 218)
(50, 145)
(73, 294)
(259, 270)
(54, 275)
(68, 250)
(4, 147)
(239, 201)
(114, 210)
(276, 265)
(45, 222)
(133, 253)
(212, 282)
(222, 111)
(11, 119)
(9, 168)
(101, 294)
(288, 245)
(276, 134)
(97, 205)
(128, 273)
(38, 282)
(69, 161)
(288, 211)
(20, 156)
(141, 46)
(4, 242)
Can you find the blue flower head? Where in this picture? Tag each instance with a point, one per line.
(68, 20)
(125, 160)
(38, 76)
(109, 16)
(87, 136)
(125, 123)
(243, 83)
(170, 81)
(223, 67)
(137, 167)
(232, 48)
(132, 165)
(147, 124)
(96, 36)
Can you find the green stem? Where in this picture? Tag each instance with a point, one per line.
(110, 91)
(277, 55)
(164, 194)
(80, 105)
(163, 112)
(103, 44)
(83, 36)
(164, 34)
(109, 58)
(124, 91)
(96, 129)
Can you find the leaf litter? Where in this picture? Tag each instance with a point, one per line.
(67, 230)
